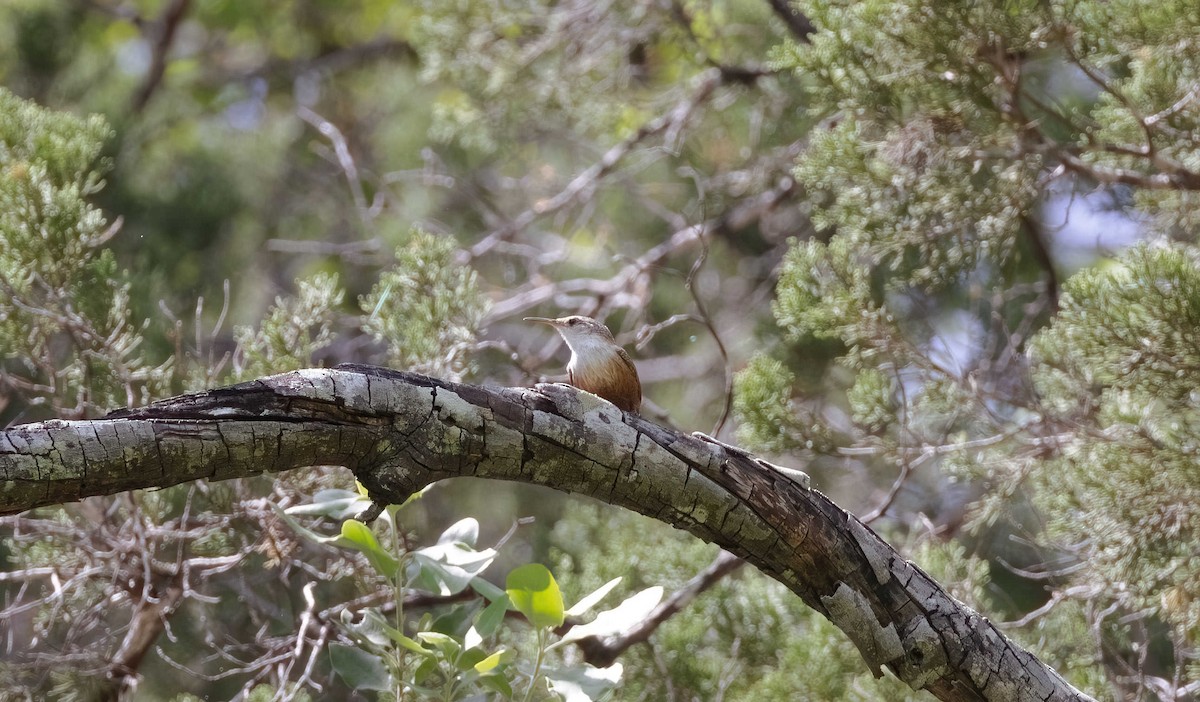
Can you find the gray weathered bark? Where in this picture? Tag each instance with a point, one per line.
(399, 432)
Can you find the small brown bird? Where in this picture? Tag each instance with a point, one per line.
(598, 365)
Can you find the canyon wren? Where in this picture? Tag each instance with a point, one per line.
(598, 365)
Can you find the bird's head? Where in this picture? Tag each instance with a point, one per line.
(581, 333)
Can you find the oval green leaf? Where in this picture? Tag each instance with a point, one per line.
(360, 669)
(492, 616)
(489, 664)
(359, 536)
(534, 593)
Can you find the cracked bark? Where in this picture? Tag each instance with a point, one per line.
(400, 431)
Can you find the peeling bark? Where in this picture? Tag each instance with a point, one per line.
(400, 431)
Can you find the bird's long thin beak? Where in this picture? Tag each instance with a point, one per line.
(544, 320)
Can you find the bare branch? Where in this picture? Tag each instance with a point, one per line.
(797, 23)
(167, 26)
(582, 185)
(603, 653)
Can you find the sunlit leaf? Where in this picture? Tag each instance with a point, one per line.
(333, 503)
(464, 531)
(450, 567)
(359, 535)
(411, 645)
(583, 684)
(534, 593)
(472, 639)
(411, 499)
(489, 664)
(617, 620)
(449, 647)
(590, 600)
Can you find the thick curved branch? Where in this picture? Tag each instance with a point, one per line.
(399, 432)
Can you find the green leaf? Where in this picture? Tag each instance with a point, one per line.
(428, 668)
(534, 593)
(360, 669)
(359, 536)
(583, 684)
(464, 531)
(448, 568)
(470, 658)
(456, 620)
(590, 600)
(618, 619)
(490, 592)
(370, 628)
(446, 644)
(490, 618)
(334, 503)
(376, 629)
(490, 663)
(355, 535)
(498, 684)
(302, 530)
(410, 644)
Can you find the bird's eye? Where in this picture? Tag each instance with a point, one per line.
(574, 322)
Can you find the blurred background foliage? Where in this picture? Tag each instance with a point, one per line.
(947, 248)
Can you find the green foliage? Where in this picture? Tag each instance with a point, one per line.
(1151, 63)
(814, 666)
(74, 686)
(261, 693)
(762, 405)
(824, 290)
(1123, 353)
(1131, 328)
(1065, 635)
(361, 669)
(66, 327)
(936, 129)
(870, 400)
(946, 123)
(446, 658)
(461, 650)
(427, 309)
(522, 72)
(532, 591)
(921, 171)
(747, 636)
(292, 331)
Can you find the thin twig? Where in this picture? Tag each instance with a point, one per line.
(603, 653)
(668, 124)
(707, 321)
(167, 27)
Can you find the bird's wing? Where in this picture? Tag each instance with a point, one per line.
(634, 398)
